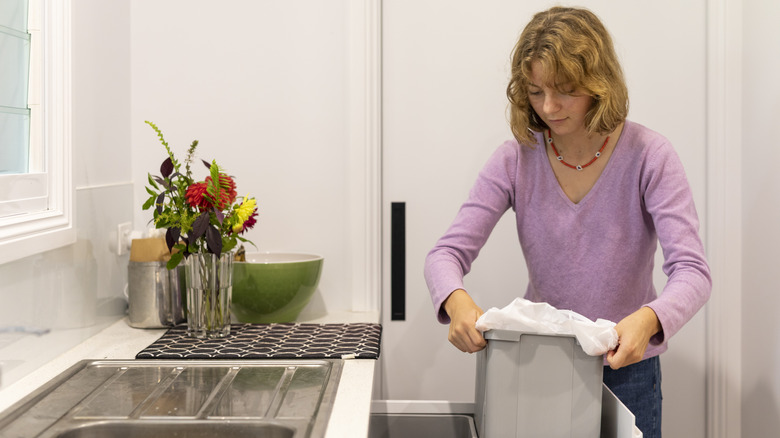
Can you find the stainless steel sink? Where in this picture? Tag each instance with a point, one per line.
(167, 429)
(187, 398)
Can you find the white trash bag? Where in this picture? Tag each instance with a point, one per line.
(596, 338)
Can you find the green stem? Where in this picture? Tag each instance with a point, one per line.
(212, 311)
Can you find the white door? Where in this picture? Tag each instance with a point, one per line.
(445, 68)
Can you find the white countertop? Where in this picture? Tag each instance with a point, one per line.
(351, 408)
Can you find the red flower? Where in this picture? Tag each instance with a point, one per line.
(195, 196)
(197, 193)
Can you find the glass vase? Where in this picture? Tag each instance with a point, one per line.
(209, 282)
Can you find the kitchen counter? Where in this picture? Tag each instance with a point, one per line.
(351, 408)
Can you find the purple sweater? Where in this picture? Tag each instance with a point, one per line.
(595, 257)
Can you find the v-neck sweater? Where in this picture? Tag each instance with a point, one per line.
(594, 257)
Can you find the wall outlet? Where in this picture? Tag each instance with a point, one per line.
(123, 237)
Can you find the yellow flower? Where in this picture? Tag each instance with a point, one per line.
(243, 212)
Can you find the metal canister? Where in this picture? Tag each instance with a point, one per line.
(154, 295)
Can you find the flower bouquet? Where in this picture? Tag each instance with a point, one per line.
(204, 221)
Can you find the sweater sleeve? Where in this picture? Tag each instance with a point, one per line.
(669, 202)
(490, 197)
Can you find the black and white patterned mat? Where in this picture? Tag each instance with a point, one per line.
(272, 341)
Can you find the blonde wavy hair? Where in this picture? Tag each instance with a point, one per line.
(573, 47)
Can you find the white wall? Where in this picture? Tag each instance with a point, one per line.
(81, 285)
(263, 87)
(760, 218)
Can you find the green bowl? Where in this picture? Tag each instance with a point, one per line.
(274, 287)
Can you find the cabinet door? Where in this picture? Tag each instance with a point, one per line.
(445, 69)
(444, 75)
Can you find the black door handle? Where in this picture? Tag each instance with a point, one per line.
(398, 261)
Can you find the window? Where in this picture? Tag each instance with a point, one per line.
(14, 69)
(36, 195)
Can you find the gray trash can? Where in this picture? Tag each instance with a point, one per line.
(532, 385)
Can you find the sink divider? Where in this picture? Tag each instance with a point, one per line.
(216, 395)
(280, 393)
(155, 394)
(74, 412)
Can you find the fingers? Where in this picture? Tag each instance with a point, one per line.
(624, 356)
(463, 314)
(611, 359)
(465, 337)
(634, 333)
(621, 357)
(629, 350)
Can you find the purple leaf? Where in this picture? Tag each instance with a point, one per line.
(162, 182)
(220, 215)
(159, 202)
(186, 250)
(172, 236)
(166, 168)
(199, 226)
(214, 240)
(207, 164)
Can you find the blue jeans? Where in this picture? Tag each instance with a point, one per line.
(638, 386)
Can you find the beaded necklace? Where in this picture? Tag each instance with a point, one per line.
(579, 166)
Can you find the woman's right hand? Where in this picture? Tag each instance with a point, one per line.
(463, 313)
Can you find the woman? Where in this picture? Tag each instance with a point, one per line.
(592, 193)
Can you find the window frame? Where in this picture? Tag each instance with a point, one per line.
(45, 216)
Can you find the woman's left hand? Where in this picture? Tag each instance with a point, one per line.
(634, 333)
